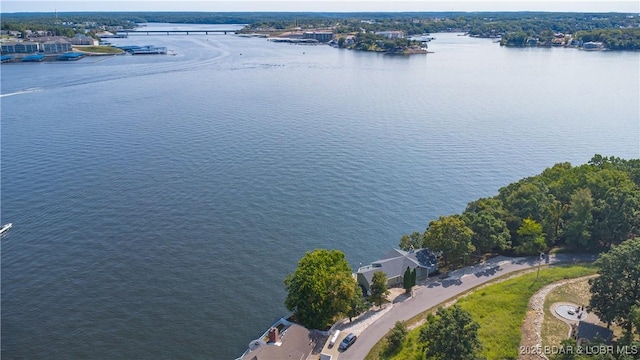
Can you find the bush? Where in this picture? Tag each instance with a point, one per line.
(396, 336)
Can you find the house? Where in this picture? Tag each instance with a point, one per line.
(80, 39)
(395, 263)
(532, 41)
(592, 45)
(283, 340)
(391, 34)
(321, 36)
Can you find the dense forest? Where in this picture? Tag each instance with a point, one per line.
(587, 207)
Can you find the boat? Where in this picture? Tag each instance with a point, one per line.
(6, 227)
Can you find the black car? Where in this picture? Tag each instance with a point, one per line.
(347, 341)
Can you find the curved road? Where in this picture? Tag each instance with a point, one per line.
(436, 291)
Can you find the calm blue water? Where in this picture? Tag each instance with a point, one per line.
(158, 202)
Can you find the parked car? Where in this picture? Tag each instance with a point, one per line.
(347, 341)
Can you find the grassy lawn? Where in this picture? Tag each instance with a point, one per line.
(99, 49)
(499, 309)
(555, 330)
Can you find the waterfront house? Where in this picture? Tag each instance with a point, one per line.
(532, 41)
(283, 340)
(396, 34)
(321, 36)
(592, 45)
(80, 39)
(395, 263)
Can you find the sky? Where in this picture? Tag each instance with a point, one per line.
(11, 6)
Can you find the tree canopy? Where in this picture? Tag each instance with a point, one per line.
(450, 235)
(378, 288)
(320, 289)
(451, 335)
(615, 294)
(591, 206)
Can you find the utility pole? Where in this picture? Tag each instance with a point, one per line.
(539, 263)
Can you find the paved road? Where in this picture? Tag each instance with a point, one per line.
(436, 291)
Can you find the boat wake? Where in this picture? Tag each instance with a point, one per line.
(26, 91)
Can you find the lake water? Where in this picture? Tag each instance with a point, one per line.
(158, 202)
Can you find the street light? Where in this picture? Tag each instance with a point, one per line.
(539, 263)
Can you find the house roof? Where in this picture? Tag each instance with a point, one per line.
(296, 343)
(396, 261)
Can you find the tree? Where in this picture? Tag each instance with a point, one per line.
(530, 238)
(357, 304)
(554, 219)
(635, 316)
(451, 334)
(526, 198)
(616, 292)
(320, 289)
(406, 280)
(396, 336)
(615, 214)
(414, 240)
(450, 235)
(489, 232)
(409, 279)
(378, 288)
(578, 231)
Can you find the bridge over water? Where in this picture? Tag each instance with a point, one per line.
(182, 32)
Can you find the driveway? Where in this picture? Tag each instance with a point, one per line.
(435, 291)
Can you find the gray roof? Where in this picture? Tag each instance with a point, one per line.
(396, 261)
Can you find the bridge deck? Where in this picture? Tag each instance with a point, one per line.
(168, 32)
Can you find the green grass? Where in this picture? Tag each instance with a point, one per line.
(499, 309)
(99, 49)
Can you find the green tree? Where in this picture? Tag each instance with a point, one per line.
(406, 280)
(378, 288)
(616, 214)
(527, 198)
(320, 289)
(578, 230)
(396, 336)
(451, 335)
(635, 316)
(489, 232)
(414, 241)
(530, 238)
(555, 213)
(450, 235)
(357, 304)
(409, 279)
(616, 292)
